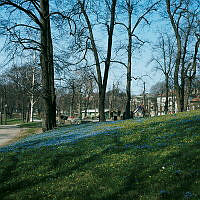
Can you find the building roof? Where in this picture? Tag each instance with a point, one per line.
(195, 100)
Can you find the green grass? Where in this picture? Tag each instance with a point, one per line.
(14, 121)
(28, 129)
(150, 160)
(18, 121)
(31, 125)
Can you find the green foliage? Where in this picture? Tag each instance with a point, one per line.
(31, 125)
(157, 158)
(14, 121)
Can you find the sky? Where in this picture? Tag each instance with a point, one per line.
(142, 69)
(140, 66)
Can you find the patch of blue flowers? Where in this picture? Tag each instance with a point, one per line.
(188, 195)
(61, 136)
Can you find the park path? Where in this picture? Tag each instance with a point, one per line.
(8, 133)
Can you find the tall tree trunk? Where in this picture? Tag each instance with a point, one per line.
(108, 58)
(102, 83)
(47, 68)
(32, 95)
(183, 71)
(102, 93)
(187, 92)
(182, 91)
(192, 72)
(178, 56)
(128, 85)
(80, 104)
(31, 108)
(167, 93)
(73, 100)
(28, 113)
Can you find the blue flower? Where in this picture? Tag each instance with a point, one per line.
(62, 136)
(188, 195)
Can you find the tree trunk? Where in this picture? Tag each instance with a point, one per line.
(187, 92)
(32, 94)
(31, 108)
(47, 68)
(192, 73)
(128, 86)
(102, 105)
(102, 84)
(178, 56)
(73, 101)
(182, 91)
(80, 104)
(28, 113)
(167, 93)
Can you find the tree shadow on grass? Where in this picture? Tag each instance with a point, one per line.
(177, 183)
(56, 164)
(135, 184)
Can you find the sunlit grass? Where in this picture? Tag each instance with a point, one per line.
(13, 121)
(31, 125)
(157, 158)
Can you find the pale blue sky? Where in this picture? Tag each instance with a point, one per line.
(139, 63)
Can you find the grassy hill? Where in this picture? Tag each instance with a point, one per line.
(155, 158)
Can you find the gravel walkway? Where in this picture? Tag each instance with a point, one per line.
(8, 133)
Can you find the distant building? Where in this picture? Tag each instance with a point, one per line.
(147, 101)
(155, 104)
(172, 104)
(93, 113)
(194, 103)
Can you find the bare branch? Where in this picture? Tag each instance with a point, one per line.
(23, 25)
(26, 11)
(119, 62)
(142, 17)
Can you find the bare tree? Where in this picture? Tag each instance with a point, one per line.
(8, 98)
(115, 100)
(27, 79)
(184, 20)
(164, 60)
(38, 19)
(101, 80)
(131, 28)
(190, 73)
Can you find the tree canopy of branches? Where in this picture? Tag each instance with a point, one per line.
(164, 61)
(134, 20)
(89, 14)
(33, 18)
(184, 19)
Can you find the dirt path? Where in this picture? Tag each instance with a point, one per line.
(8, 133)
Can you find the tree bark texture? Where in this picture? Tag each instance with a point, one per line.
(46, 56)
(178, 56)
(46, 59)
(128, 84)
(167, 93)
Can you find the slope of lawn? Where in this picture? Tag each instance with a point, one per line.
(13, 121)
(155, 158)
